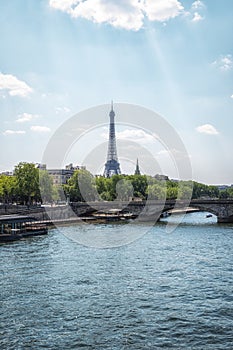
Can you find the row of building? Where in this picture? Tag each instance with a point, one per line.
(59, 176)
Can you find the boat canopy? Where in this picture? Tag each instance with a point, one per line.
(10, 219)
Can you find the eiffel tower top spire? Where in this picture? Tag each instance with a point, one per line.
(112, 113)
(112, 166)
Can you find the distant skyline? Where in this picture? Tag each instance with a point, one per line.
(61, 57)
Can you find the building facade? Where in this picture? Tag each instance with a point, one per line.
(61, 176)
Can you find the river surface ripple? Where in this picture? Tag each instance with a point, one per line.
(164, 291)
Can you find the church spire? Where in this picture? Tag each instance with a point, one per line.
(137, 170)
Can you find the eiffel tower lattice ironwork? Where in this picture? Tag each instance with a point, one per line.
(112, 166)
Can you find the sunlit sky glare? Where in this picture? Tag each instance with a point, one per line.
(60, 57)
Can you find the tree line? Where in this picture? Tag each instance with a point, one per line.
(31, 185)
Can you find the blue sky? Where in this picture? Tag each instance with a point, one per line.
(60, 57)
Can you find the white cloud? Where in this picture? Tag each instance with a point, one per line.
(197, 17)
(38, 128)
(196, 11)
(63, 5)
(231, 96)
(14, 132)
(224, 63)
(207, 129)
(25, 117)
(14, 86)
(135, 135)
(162, 10)
(126, 14)
(172, 154)
(197, 5)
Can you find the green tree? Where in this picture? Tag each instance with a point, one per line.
(172, 192)
(139, 183)
(7, 188)
(230, 192)
(105, 188)
(59, 193)
(156, 191)
(100, 183)
(112, 185)
(185, 190)
(227, 193)
(202, 190)
(224, 194)
(124, 190)
(46, 186)
(198, 190)
(27, 182)
(81, 186)
(213, 191)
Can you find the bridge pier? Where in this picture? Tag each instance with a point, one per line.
(225, 220)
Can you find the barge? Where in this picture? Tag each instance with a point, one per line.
(16, 227)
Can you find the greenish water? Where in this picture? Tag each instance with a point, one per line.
(163, 291)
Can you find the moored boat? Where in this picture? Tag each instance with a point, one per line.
(15, 227)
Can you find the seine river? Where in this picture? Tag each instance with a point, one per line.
(163, 291)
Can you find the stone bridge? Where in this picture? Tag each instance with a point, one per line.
(144, 210)
(222, 208)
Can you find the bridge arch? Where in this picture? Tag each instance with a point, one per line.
(204, 208)
(223, 209)
(199, 207)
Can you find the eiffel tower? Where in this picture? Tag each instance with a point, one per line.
(112, 166)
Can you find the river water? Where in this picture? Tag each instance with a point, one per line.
(163, 291)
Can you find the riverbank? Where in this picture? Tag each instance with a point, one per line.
(13, 234)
